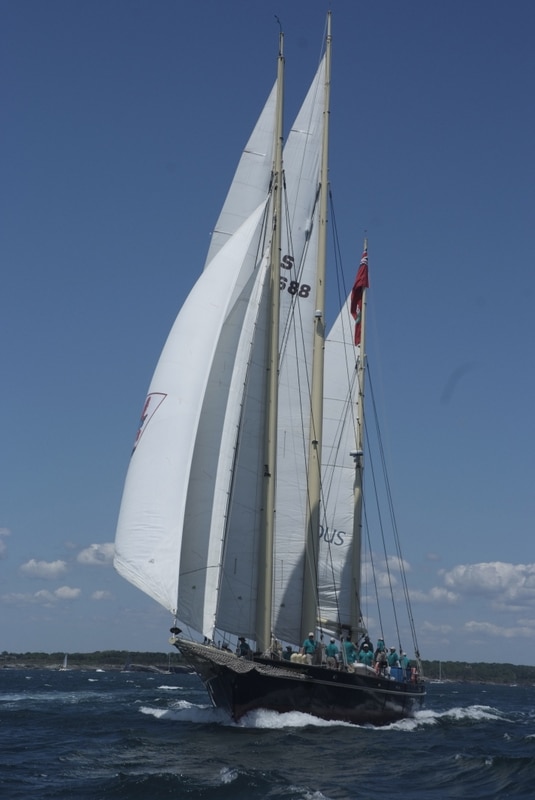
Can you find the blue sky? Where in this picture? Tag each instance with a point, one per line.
(122, 125)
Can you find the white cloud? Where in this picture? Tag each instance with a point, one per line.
(504, 583)
(97, 554)
(384, 572)
(67, 593)
(42, 597)
(43, 569)
(430, 627)
(101, 594)
(490, 629)
(398, 564)
(435, 595)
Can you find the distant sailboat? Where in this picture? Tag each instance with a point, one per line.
(243, 508)
(64, 667)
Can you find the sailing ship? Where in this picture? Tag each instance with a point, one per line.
(242, 511)
(64, 667)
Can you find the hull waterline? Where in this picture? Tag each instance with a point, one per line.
(239, 686)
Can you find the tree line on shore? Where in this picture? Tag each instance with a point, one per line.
(457, 671)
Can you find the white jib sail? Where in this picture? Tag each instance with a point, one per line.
(218, 533)
(150, 526)
(251, 180)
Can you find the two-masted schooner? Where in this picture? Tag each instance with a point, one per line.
(242, 509)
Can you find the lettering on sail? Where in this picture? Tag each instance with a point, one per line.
(292, 287)
(332, 536)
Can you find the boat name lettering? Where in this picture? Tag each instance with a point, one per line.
(292, 287)
(300, 289)
(334, 536)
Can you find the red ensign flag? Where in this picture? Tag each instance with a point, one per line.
(361, 283)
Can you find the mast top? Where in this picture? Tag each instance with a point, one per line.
(281, 37)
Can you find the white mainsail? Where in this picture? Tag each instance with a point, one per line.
(237, 598)
(302, 159)
(335, 584)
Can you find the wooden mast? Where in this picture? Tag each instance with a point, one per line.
(265, 563)
(310, 596)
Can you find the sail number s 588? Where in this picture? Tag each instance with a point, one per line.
(292, 287)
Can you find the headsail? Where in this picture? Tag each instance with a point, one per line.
(251, 180)
(160, 496)
(150, 527)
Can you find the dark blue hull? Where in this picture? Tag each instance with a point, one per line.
(361, 697)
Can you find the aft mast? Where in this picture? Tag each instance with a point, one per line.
(310, 597)
(265, 571)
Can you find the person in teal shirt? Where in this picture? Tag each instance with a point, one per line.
(350, 651)
(405, 664)
(393, 658)
(380, 647)
(366, 655)
(309, 647)
(332, 651)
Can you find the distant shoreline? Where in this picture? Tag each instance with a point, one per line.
(172, 662)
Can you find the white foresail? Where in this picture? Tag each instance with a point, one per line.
(338, 474)
(251, 180)
(151, 520)
(244, 428)
(225, 466)
(167, 500)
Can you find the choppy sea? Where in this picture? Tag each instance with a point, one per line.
(86, 735)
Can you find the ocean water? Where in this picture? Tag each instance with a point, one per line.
(86, 735)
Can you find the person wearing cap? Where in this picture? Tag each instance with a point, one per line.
(309, 647)
(405, 664)
(366, 655)
(393, 658)
(331, 652)
(287, 655)
(381, 662)
(243, 649)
